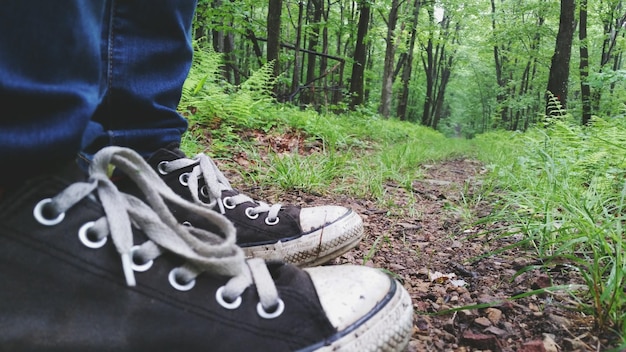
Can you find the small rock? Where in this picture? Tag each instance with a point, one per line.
(560, 321)
(396, 267)
(482, 321)
(467, 314)
(573, 344)
(424, 338)
(448, 337)
(519, 263)
(494, 315)
(480, 341)
(496, 331)
(422, 324)
(541, 281)
(415, 346)
(449, 326)
(549, 344)
(440, 345)
(485, 298)
(532, 346)
(409, 226)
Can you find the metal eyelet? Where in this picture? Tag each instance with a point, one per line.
(161, 168)
(141, 267)
(228, 204)
(222, 302)
(38, 213)
(280, 308)
(272, 222)
(174, 279)
(184, 179)
(250, 215)
(83, 235)
(186, 223)
(204, 191)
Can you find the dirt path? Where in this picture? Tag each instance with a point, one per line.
(434, 236)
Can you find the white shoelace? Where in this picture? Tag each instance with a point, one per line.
(202, 250)
(216, 183)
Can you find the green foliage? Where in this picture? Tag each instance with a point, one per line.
(560, 185)
(209, 101)
(565, 192)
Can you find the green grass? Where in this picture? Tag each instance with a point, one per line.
(564, 188)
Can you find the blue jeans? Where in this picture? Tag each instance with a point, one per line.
(80, 75)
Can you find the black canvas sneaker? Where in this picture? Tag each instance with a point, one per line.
(84, 267)
(303, 236)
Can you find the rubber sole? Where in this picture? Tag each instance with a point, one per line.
(316, 247)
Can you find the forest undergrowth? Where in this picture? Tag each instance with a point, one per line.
(558, 189)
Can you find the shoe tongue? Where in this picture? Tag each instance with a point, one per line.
(64, 174)
(169, 153)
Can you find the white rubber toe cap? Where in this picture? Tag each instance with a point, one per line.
(370, 310)
(315, 217)
(348, 292)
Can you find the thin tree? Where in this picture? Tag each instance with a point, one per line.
(437, 60)
(585, 90)
(613, 23)
(274, 13)
(559, 68)
(308, 96)
(390, 55)
(407, 68)
(297, 61)
(357, 83)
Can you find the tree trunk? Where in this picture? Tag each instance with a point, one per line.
(438, 66)
(559, 68)
(308, 96)
(274, 13)
(499, 63)
(390, 56)
(403, 100)
(585, 90)
(612, 25)
(295, 78)
(360, 57)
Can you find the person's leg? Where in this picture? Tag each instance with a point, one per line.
(49, 82)
(86, 267)
(147, 53)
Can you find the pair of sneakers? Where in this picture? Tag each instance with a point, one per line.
(86, 266)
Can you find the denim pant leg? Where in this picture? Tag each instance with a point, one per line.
(49, 81)
(148, 56)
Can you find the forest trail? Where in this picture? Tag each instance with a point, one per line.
(438, 248)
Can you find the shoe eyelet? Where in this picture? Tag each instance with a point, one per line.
(174, 279)
(140, 267)
(250, 215)
(161, 168)
(228, 204)
(83, 235)
(225, 304)
(280, 308)
(187, 223)
(272, 222)
(184, 179)
(39, 210)
(204, 191)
